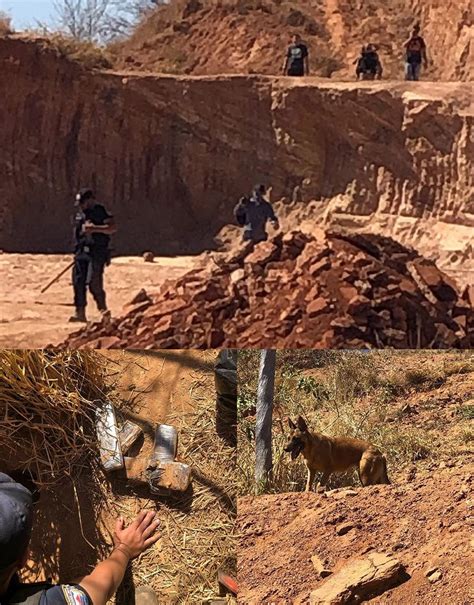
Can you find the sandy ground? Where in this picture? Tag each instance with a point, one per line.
(29, 319)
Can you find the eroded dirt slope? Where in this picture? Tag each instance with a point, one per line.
(250, 36)
(171, 155)
(423, 524)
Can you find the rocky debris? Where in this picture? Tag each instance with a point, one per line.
(148, 257)
(434, 574)
(296, 290)
(344, 528)
(359, 580)
(320, 567)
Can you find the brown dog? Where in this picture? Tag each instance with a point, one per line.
(335, 455)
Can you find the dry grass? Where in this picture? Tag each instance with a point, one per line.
(5, 24)
(88, 54)
(198, 528)
(47, 410)
(345, 394)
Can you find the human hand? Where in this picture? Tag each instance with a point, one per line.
(88, 227)
(139, 535)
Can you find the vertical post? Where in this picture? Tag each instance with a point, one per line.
(263, 429)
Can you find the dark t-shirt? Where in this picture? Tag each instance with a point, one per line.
(414, 48)
(64, 594)
(297, 53)
(370, 62)
(254, 216)
(95, 241)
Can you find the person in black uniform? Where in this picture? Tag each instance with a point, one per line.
(369, 66)
(297, 58)
(93, 226)
(16, 521)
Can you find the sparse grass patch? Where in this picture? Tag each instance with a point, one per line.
(351, 397)
(466, 412)
(88, 54)
(467, 436)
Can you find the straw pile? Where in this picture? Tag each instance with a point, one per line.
(47, 409)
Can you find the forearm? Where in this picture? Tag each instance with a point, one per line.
(105, 229)
(104, 581)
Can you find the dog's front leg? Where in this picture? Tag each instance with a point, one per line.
(322, 483)
(310, 480)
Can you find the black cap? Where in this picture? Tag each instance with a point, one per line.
(83, 195)
(260, 189)
(16, 515)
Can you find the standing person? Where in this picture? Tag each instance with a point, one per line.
(93, 226)
(225, 379)
(415, 55)
(253, 213)
(16, 521)
(297, 58)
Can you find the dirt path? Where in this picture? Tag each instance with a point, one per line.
(31, 320)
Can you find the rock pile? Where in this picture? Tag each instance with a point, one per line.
(297, 290)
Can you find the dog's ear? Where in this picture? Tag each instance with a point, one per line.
(291, 424)
(302, 424)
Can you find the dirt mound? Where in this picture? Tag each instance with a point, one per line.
(298, 290)
(250, 36)
(424, 525)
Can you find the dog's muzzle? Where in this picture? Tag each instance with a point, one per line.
(295, 450)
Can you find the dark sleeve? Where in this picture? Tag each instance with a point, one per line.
(239, 213)
(66, 594)
(288, 52)
(305, 51)
(422, 42)
(106, 214)
(270, 212)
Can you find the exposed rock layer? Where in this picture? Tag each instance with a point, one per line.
(171, 155)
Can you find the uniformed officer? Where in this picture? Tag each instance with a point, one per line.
(16, 519)
(93, 226)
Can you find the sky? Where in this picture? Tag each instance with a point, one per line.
(26, 13)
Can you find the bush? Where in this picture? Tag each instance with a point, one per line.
(5, 24)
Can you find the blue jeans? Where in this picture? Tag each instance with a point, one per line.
(412, 71)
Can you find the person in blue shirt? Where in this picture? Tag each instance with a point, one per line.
(253, 214)
(96, 588)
